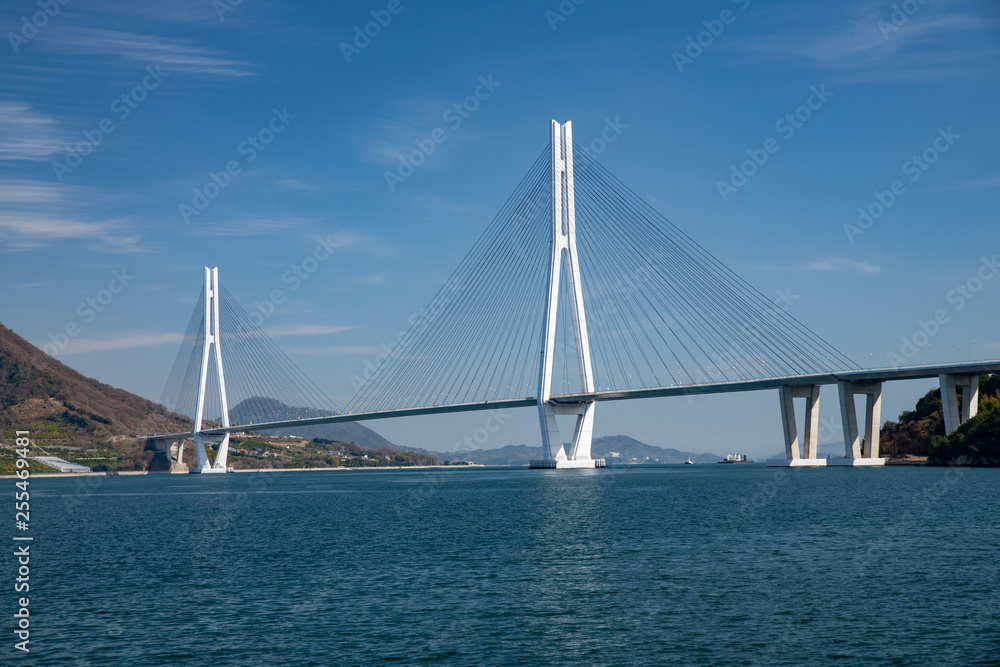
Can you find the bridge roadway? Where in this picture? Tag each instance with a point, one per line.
(866, 375)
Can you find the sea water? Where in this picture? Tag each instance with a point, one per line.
(687, 565)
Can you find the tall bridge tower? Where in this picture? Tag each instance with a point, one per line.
(211, 342)
(564, 250)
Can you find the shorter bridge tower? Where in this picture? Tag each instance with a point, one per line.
(211, 342)
(554, 454)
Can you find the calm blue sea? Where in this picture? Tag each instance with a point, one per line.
(687, 565)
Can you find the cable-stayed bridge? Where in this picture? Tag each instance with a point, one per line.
(577, 292)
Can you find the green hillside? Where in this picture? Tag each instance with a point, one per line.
(920, 432)
(70, 415)
(84, 421)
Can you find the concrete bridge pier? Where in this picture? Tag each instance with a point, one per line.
(857, 453)
(953, 416)
(810, 438)
(564, 251)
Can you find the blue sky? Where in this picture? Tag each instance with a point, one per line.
(113, 115)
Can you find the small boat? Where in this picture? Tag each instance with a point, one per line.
(689, 462)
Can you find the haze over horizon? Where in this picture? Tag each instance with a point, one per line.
(839, 157)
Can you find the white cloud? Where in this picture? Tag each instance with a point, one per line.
(337, 349)
(295, 184)
(306, 330)
(33, 229)
(840, 264)
(84, 345)
(985, 183)
(918, 49)
(248, 226)
(38, 213)
(172, 54)
(831, 264)
(31, 192)
(26, 134)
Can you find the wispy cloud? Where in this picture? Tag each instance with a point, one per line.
(294, 184)
(251, 226)
(38, 213)
(26, 134)
(172, 54)
(984, 183)
(408, 119)
(337, 349)
(305, 330)
(861, 44)
(85, 345)
(35, 226)
(19, 191)
(841, 264)
(831, 264)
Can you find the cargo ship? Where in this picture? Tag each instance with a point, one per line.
(736, 458)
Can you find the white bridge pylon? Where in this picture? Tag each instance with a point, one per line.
(564, 250)
(211, 342)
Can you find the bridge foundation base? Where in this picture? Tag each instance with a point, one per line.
(565, 463)
(856, 462)
(796, 463)
(207, 470)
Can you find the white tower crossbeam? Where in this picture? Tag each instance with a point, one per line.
(564, 249)
(211, 340)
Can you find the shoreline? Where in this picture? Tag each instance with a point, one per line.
(131, 473)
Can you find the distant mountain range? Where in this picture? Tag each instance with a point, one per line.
(259, 409)
(627, 450)
(69, 412)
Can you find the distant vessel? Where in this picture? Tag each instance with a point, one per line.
(689, 462)
(736, 458)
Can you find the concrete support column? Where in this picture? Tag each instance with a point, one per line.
(810, 440)
(788, 423)
(873, 420)
(849, 418)
(955, 415)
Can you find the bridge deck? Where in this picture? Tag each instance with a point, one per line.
(868, 375)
